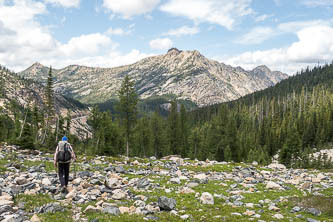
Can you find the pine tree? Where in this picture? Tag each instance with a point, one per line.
(184, 131)
(127, 107)
(174, 129)
(49, 103)
(158, 135)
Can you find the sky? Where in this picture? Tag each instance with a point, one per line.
(285, 35)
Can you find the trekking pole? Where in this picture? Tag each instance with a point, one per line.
(74, 170)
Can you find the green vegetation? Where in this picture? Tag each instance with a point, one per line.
(293, 119)
(32, 201)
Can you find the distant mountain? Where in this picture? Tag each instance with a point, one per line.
(24, 93)
(185, 75)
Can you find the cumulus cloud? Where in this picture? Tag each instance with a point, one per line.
(160, 44)
(129, 8)
(260, 34)
(65, 3)
(221, 12)
(24, 41)
(85, 44)
(314, 44)
(184, 30)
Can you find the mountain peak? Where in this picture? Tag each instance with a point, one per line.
(173, 51)
(262, 68)
(37, 65)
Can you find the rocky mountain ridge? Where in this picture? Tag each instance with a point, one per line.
(186, 75)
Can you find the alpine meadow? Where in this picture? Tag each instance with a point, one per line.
(166, 110)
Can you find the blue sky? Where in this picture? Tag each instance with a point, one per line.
(282, 34)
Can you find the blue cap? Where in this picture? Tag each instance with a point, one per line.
(64, 138)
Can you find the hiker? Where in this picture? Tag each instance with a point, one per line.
(63, 156)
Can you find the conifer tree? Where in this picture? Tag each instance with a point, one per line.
(158, 135)
(127, 107)
(174, 129)
(49, 101)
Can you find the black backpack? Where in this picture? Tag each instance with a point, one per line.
(64, 154)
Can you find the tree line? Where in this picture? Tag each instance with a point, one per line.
(292, 119)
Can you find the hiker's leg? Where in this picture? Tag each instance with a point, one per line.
(61, 173)
(66, 170)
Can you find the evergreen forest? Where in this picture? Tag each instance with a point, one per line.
(292, 119)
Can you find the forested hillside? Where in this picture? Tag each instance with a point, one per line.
(292, 119)
(34, 116)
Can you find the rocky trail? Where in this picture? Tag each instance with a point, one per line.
(171, 189)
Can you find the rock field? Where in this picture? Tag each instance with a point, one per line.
(171, 189)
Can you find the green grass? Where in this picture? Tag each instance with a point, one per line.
(32, 201)
(328, 192)
(3, 162)
(324, 204)
(38, 200)
(49, 167)
(65, 216)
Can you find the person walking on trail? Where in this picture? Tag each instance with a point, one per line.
(63, 156)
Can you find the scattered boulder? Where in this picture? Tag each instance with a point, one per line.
(120, 169)
(167, 204)
(273, 185)
(111, 210)
(206, 198)
(277, 166)
(143, 183)
(21, 180)
(35, 218)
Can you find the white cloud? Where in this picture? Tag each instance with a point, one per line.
(129, 8)
(299, 25)
(65, 3)
(222, 12)
(24, 41)
(160, 44)
(116, 31)
(184, 30)
(317, 3)
(259, 34)
(85, 45)
(256, 35)
(262, 18)
(119, 31)
(315, 44)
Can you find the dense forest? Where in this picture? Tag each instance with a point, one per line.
(293, 119)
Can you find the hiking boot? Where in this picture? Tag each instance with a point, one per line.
(64, 190)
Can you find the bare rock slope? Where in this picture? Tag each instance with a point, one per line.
(186, 75)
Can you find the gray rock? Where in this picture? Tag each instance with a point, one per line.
(120, 169)
(84, 174)
(238, 203)
(192, 184)
(175, 180)
(311, 220)
(111, 210)
(151, 217)
(296, 209)
(143, 183)
(313, 211)
(5, 209)
(51, 208)
(110, 168)
(166, 203)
